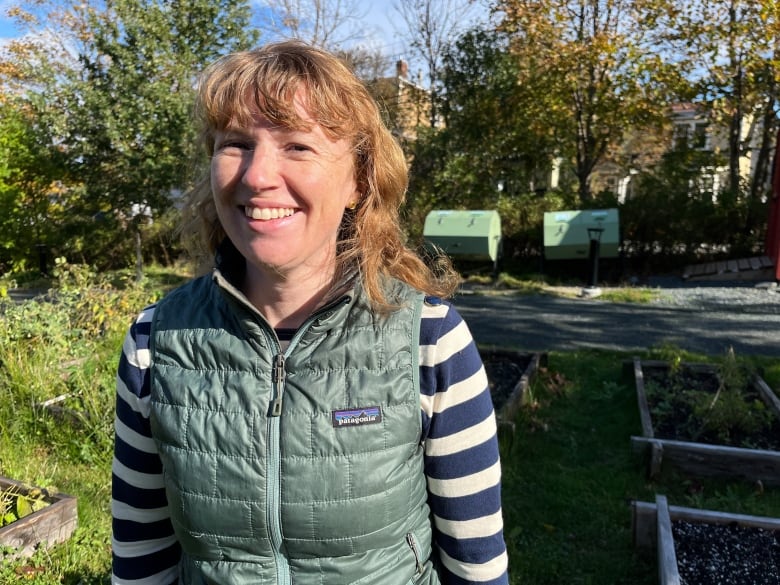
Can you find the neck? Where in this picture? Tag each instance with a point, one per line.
(285, 301)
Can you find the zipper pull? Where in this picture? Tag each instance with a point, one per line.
(277, 376)
(413, 545)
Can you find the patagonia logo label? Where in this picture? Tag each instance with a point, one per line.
(355, 417)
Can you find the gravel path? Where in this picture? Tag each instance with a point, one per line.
(704, 319)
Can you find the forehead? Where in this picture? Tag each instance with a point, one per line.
(255, 107)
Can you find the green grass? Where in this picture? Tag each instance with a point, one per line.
(537, 284)
(568, 475)
(630, 295)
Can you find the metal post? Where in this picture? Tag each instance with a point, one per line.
(42, 260)
(593, 290)
(595, 245)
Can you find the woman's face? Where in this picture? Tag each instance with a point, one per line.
(280, 194)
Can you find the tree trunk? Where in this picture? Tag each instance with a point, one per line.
(139, 261)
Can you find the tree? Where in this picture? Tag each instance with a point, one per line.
(730, 49)
(330, 24)
(430, 25)
(368, 64)
(120, 102)
(593, 69)
(489, 153)
(30, 197)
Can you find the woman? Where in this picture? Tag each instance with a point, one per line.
(311, 411)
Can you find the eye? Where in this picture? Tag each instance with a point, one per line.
(233, 143)
(230, 140)
(298, 147)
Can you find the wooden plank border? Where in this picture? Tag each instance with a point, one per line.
(644, 516)
(505, 416)
(46, 527)
(668, 570)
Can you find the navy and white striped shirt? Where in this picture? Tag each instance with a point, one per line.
(461, 461)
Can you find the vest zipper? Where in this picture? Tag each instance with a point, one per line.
(413, 545)
(274, 466)
(274, 477)
(273, 495)
(277, 377)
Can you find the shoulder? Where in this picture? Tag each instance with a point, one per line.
(187, 290)
(141, 329)
(440, 319)
(446, 343)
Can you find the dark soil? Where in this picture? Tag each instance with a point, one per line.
(673, 420)
(729, 554)
(504, 370)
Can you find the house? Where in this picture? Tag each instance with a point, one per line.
(690, 127)
(406, 104)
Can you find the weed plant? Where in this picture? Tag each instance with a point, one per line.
(720, 406)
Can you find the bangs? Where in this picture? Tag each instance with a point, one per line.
(239, 89)
(239, 102)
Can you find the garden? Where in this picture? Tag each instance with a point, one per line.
(583, 484)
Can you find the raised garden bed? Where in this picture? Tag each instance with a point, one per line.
(703, 455)
(509, 375)
(48, 526)
(703, 547)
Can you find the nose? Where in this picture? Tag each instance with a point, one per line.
(261, 169)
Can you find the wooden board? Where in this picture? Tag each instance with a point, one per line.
(518, 394)
(644, 518)
(51, 525)
(506, 413)
(742, 269)
(668, 571)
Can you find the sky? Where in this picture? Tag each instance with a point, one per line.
(382, 24)
(7, 28)
(378, 22)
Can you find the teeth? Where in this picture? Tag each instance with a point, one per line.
(267, 213)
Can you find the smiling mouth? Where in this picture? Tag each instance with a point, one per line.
(267, 213)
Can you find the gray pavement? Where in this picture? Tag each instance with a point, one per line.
(550, 323)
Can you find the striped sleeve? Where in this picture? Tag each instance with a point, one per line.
(461, 451)
(145, 551)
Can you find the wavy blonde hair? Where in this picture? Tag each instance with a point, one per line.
(239, 86)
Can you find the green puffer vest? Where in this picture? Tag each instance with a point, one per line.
(299, 467)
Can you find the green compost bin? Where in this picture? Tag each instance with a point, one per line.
(470, 235)
(566, 233)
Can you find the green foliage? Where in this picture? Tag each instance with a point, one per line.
(15, 504)
(59, 358)
(117, 108)
(629, 295)
(28, 169)
(488, 138)
(491, 153)
(676, 210)
(592, 74)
